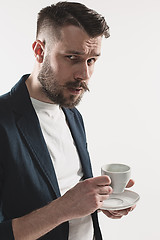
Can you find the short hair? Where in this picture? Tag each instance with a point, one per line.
(72, 13)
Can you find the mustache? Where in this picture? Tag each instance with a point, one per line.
(81, 84)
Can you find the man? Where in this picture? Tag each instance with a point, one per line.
(46, 186)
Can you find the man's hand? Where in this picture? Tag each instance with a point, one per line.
(86, 197)
(120, 213)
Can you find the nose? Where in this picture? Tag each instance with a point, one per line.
(83, 72)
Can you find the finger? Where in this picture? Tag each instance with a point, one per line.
(123, 211)
(102, 180)
(120, 212)
(103, 198)
(110, 215)
(130, 183)
(105, 190)
(131, 208)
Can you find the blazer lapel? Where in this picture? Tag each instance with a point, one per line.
(78, 134)
(29, 126)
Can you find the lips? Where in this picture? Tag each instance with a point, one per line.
(75, 91)
(76, 88)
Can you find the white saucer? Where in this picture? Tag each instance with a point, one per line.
(120, 201)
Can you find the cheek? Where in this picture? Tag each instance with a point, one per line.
(64, 73)
(56, 64)
(62, 70)
(91, 70)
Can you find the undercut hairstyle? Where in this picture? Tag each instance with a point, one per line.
(63, 14)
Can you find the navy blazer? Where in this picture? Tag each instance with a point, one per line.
(27, 176)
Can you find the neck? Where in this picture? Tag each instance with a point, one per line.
(35, 89)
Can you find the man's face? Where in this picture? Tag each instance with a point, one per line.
(69, 65)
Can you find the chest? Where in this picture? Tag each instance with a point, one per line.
(62, 149)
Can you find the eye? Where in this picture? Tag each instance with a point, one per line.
(72, 57)
(91, 61)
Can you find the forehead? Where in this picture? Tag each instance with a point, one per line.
(75, 39)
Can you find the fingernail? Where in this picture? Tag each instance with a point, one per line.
(110, 189)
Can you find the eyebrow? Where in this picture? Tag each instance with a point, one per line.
(80, 53)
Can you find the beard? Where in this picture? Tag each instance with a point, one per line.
(55, 92)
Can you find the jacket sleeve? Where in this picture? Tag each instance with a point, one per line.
(6, 232)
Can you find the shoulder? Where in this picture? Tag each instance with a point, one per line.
(4, 103)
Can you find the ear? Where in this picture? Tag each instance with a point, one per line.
(38, 48)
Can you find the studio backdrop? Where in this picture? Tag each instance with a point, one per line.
(122, 110)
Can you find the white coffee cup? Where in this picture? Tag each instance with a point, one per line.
(119, 175)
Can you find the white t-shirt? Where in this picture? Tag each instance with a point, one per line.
(65, 159)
